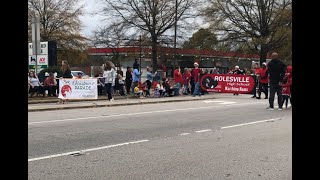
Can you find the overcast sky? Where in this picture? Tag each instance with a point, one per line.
(91, 20)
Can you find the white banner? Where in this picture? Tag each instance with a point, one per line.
(78, 89)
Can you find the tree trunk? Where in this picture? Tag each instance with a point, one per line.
(154, 53)
(263, 54)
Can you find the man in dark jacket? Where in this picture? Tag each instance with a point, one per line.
(276, 71)
(128, 79)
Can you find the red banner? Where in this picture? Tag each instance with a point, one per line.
(227, 83)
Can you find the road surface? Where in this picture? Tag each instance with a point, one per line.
(226, 138)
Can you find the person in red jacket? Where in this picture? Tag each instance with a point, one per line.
(186, 80)
(196, 78)
(50, 84)
(263, 81)
(286, 93)
(256, 74)
(177, 76)
(289, 70)
(164, 69)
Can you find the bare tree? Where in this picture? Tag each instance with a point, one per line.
(115, 36)
(111, 36)
(262, 24)
(59, 21)
(155, 17)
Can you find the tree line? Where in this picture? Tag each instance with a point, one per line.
(247, 26)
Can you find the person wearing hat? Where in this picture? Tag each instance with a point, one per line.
(237, 71)
(263, 81)
(196, 78)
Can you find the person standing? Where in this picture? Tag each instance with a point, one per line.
(135, 76)
(109, 75)
(237, 71)
(286, 83)
(66, 73)
(263, 81)
(135, 64)
(150, 77)
(164, 69)
(276, 72)
(191, 82)
(128, 79)
(256, 74)
(186, 80)
(196, 78)
(289, 72)
(177, 76)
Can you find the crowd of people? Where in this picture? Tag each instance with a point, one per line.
(275, 77)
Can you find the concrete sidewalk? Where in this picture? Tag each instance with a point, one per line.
(121, 101)
(102, 102)
(38, 100)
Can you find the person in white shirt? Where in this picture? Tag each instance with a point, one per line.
(109, 74)
(35, 85)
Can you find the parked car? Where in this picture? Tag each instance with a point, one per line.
(75, 74)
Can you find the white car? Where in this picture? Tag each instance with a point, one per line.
(75, 74)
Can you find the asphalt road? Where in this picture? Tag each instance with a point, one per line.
(183, 140)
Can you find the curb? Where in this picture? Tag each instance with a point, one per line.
(74, 100)
(111, 105)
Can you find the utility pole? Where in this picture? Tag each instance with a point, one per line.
(140, 57)
(175, 35)
(36, 40)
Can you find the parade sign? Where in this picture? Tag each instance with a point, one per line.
(78, 89)
(227, 83)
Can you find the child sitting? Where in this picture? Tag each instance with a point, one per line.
(144, 89)
(167, 86)
(138, 92)
(161, 89)
(121, 85)
(157, 90)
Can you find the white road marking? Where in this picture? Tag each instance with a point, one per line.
(244, 124)
(84, 151)
(228, 103)
(212, 101)
(219, 102)
(139, 113)
(205, 130)
(184, 134)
